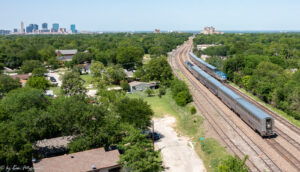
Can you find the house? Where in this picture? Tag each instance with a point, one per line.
(141, 86)
(129, 73)
(65, 55)
(94, 160)
(23, 78)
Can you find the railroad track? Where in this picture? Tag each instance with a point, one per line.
(272, 142)
(210, 118)
(278, 147)
(275, 116)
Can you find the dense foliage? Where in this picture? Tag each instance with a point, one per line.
(121, 48)
(27, 115)
(158, 69)
(264, 64)
(180, 92)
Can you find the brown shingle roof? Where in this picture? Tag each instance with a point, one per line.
(81, 161)
(21, 76)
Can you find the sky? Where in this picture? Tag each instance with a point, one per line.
(146, 15)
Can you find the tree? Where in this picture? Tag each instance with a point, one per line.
(29, 65)
(72, 84)
(233, 164)
(180, 92)
(114, 74)
(53, 62)
(7, 84)
(21, 99)
(149, 92)
(125, 86)
(158, 69)
(97, 69)
(134, 111)
(129, 56)
(1, 67)
(81, 57)
(47, 53)
(139, 154)
(161, 91)
(40, 71)
(39, 82)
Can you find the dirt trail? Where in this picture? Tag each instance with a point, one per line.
(177, 152)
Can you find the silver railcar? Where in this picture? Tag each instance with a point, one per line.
(253, 116)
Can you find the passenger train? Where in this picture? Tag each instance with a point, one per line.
(212, 70)
(257, 119)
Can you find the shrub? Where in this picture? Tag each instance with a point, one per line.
(125, 86)
(149, 92)
(193, 110)
(180, 92)
(161, 91)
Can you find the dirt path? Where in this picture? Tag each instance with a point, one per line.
(177, 152)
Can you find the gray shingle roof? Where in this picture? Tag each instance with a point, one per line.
(64, 52)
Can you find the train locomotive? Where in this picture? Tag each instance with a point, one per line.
(212, 70)
(257, 119)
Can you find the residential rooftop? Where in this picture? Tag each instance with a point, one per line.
(90, 160)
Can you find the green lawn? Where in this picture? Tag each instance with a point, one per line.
(88, 79)
(56, 91)
(210, 151)
(160, 106)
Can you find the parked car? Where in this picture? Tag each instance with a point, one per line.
(149, 135)
(52, 79)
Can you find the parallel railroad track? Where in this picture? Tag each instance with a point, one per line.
(278, 147)
(268, 162)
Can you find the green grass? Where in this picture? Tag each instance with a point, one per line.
(56, 91)
(278, 111)
(160, 106)
(88, 80)
(210, 151)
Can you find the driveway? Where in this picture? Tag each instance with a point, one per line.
(177, 152)
(57, 77)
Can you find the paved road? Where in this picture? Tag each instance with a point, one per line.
(176, 151)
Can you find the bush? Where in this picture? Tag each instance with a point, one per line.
(125, 86)
(193, 110)
(38, 82)
(233, 164)
(161, 91)
(180, 92)
(149, 92)
(29, 65)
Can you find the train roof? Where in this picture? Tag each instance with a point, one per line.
(202, 61)
(200, 71)
(252, 108)
(229, 92)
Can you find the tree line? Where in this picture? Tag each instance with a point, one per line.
(264, 64)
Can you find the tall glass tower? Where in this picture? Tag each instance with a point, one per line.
(44, 26)
(55, 27)
(73, 28)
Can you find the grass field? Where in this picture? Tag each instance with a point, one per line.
(210, 151)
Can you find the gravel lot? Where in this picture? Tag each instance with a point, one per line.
(177, 152)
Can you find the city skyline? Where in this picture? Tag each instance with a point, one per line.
(134, 15)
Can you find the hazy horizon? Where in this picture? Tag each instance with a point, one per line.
(134, 15)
